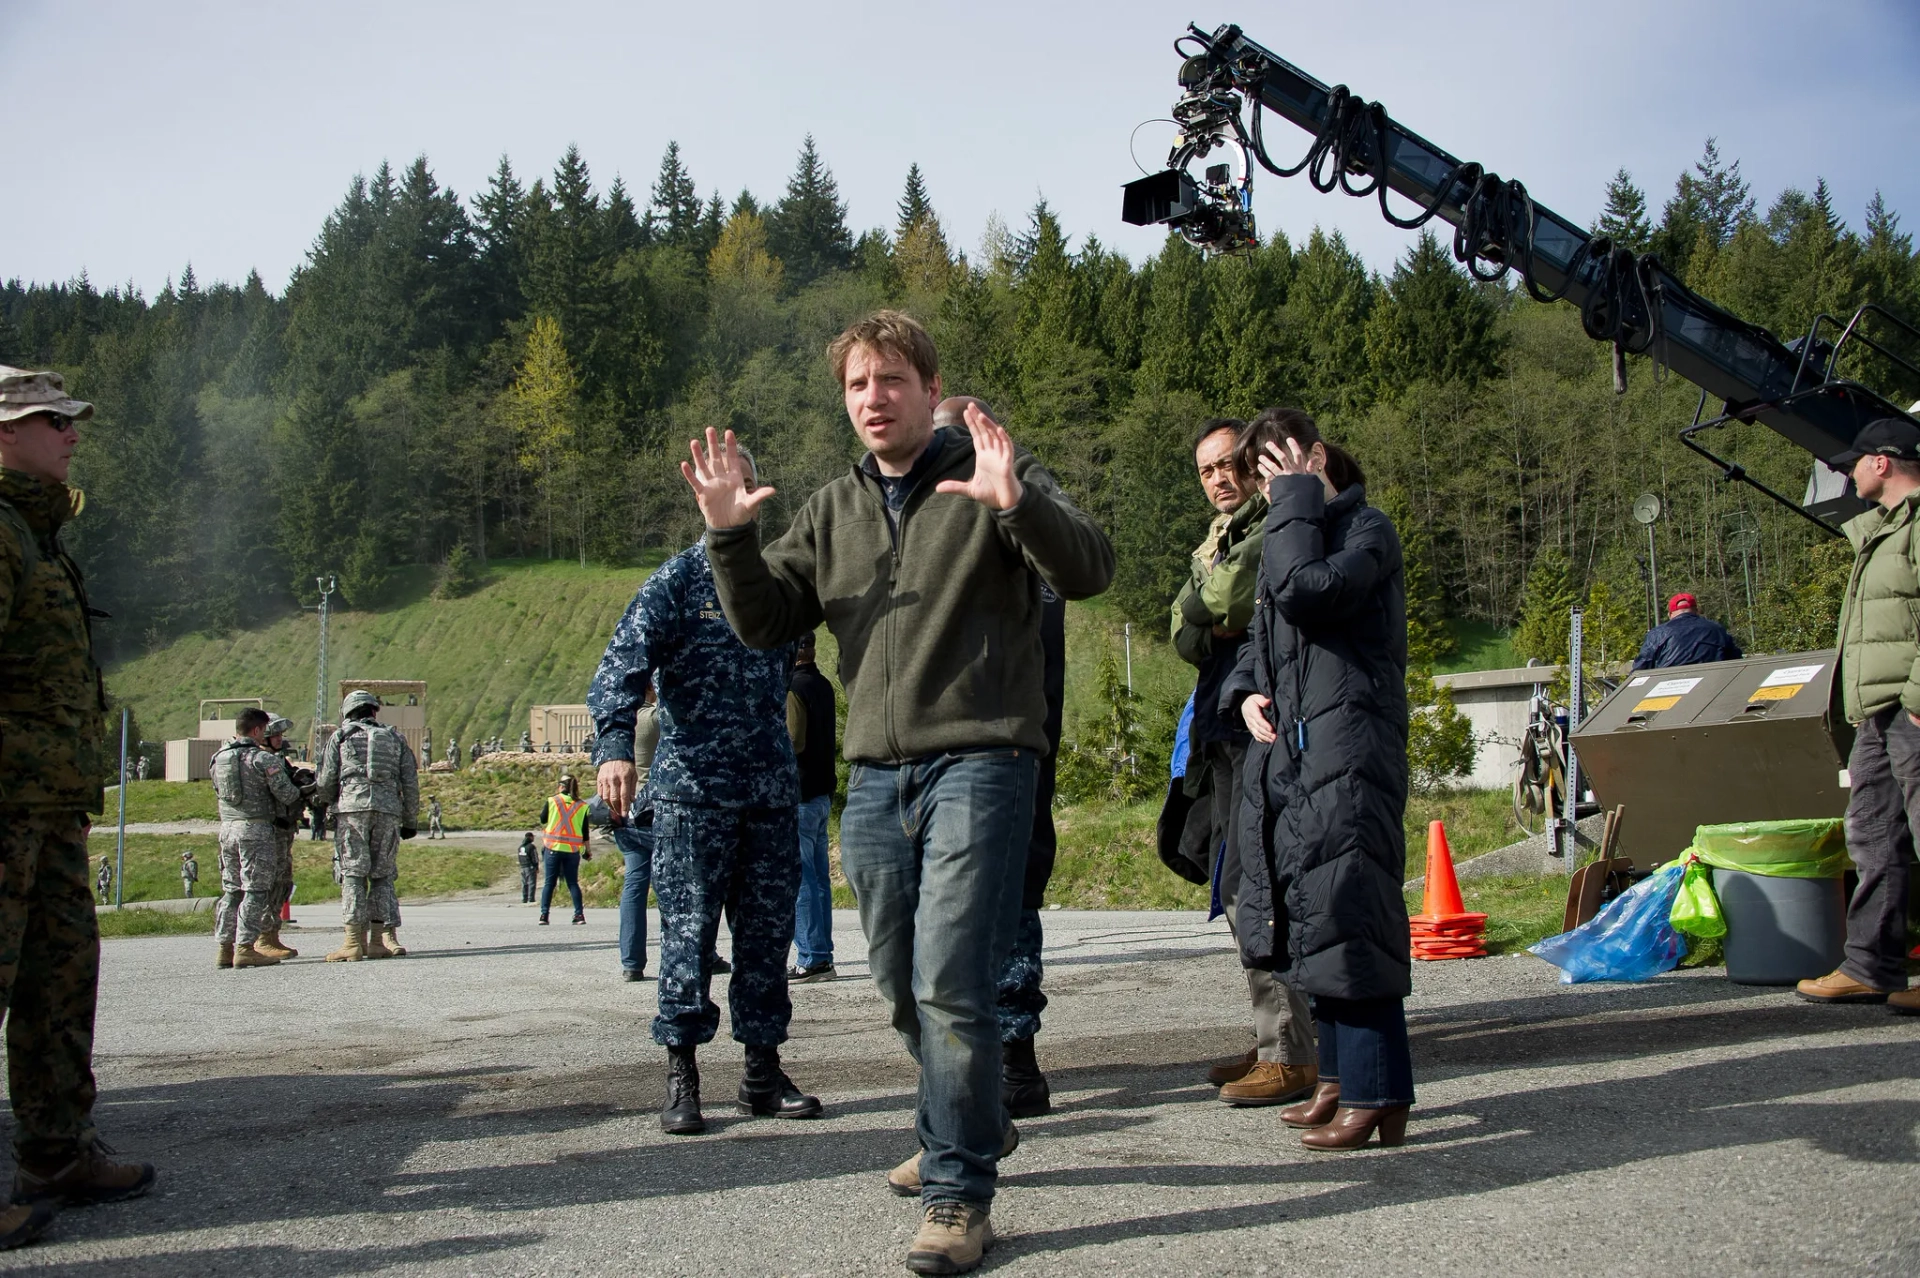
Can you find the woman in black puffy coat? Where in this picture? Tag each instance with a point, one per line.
(1322, 687)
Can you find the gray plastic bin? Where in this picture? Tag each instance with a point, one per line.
(1780, 931)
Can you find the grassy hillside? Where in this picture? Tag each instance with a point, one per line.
(530, 635)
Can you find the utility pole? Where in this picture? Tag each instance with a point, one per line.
(1127, 632)
(326, 585)
(1569, 824)
(120, 843)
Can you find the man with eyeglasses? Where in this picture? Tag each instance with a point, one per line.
(53, 756)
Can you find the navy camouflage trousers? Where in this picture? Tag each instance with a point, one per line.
(745, 861)
(49, 980)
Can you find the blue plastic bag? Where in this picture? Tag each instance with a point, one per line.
(1631, 940)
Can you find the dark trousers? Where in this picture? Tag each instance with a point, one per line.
(1885, 770)
(1363, 1047)
(1020, 998)
(745, 861)
(49, 981)
(529, 884)
(567, 866)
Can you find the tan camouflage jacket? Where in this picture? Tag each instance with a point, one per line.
(252, 783)
(53, 734)
(369, 767)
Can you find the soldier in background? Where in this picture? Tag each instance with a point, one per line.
(473, 753)
(189, 873)
(286, 828)
(526, 743)
(426, 745)
(253, 787)
(453, 752)
(103, 881)
(53, 718)
(370, 779)
(724, 789)
(140, 768)
(434, 829)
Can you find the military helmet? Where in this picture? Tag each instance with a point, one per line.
(359, 699)
(279, 726)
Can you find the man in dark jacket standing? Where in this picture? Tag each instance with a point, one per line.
(1687, 639)
(1210, 619)
(810, 723)
(925, 561)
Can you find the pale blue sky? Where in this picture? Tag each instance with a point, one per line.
(146, 135)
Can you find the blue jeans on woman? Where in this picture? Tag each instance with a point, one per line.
(636, 845)
(1363, 1047)
(813, 914)
(567, 865)
(935, 850)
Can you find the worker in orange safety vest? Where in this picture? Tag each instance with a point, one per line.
(564, 843)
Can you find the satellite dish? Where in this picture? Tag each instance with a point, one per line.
(1646, 508)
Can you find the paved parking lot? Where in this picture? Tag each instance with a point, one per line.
(486, 1106)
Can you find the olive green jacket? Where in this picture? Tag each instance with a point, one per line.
(53, 734)
(1880, 617)
(938, 622)
(1220, 594)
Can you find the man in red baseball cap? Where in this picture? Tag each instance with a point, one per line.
(1687, 638)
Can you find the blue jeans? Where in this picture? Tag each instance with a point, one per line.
(935, 850)
(566, 865)
(1363, 1047)
(636, 845)
(813, 913)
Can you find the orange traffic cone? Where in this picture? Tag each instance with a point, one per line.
(1444, 929)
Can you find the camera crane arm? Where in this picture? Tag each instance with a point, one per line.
(1632, 301)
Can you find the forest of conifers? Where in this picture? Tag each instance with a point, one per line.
(517, 375)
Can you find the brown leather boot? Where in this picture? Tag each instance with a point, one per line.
(269, 944)
(1270, 1083)
(1232, 1071)
(21, 1223)
(225, 958)
(88, 1177)
(353, 949)
(904, 1180)
(245, 955)
(1316, 1110)
(951, 1239)
(376, 946)
(1353, 1127)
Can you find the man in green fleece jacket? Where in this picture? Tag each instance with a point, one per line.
(1879, 678)
(925, 561)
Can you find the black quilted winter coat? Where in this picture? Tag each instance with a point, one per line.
(1323, 851)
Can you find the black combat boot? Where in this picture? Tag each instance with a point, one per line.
(766, 1089)
(682, 1117)
(1023, 1088)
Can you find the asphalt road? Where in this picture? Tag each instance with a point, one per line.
(486, 1106)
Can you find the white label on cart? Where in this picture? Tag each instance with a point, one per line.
(1790, 674)
(1637, 680)
(1664, 695)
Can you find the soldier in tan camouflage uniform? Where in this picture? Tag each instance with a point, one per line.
(371, 779)
(53, 759)
(286, 828)
(253, 787)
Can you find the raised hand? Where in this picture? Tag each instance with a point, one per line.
(994, 484)
(719, 481)
(1291, 462)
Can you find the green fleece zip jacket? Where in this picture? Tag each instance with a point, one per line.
(938, 622)
(1879, 631)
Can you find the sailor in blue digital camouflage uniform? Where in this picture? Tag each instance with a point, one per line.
(723, 788)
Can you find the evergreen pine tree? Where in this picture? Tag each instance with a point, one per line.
(674, 209)
(914, 205)
(1545, 607)
(807, 229)
(1624, 219)
(1432, 323)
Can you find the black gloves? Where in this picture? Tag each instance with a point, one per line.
(407, 832)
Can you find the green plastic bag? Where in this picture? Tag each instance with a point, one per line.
(1779, 849)
(1696, 910)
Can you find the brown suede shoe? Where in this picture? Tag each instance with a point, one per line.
(1905, 1002)
(88, 1177)
(952, 1239)
(1232, 1071)
(1838, 987)
(21, 1223)
(1271, 1083)
(904, 1180)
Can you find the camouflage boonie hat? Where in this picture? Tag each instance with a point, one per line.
(279, 726)
(24, 393)
(357, 700)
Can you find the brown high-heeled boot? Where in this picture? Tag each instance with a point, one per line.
(1352, 1127)
(1316, 1110)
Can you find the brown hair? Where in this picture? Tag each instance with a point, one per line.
(1277, 425)
(890, 333)
(252, 717)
